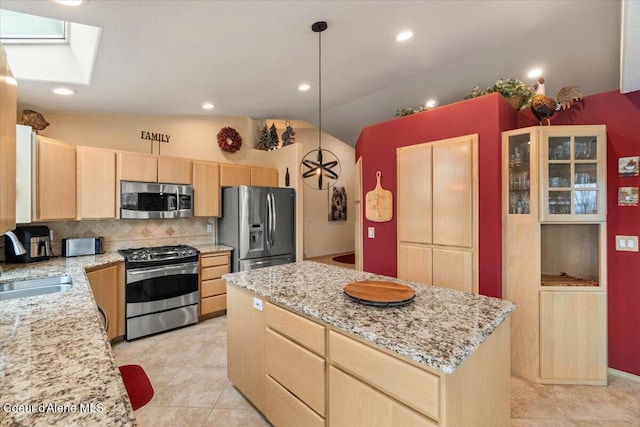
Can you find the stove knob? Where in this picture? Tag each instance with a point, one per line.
(135, 257)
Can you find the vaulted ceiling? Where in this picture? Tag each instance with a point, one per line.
(248, 57)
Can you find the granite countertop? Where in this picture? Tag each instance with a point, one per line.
(439, 329)
(56, 366)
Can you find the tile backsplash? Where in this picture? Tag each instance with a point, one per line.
(134, 233)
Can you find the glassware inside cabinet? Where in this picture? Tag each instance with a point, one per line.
(560, 202)
(585, 202)
(560, 148)
(559, 175)
(519, 174)
(586, 148)
(586, 175)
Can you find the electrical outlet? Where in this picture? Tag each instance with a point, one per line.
(371, 232)
(627, 243)
(257, 304)
(209, 228)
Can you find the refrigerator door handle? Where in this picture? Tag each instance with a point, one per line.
(274, 218)
(268, 230)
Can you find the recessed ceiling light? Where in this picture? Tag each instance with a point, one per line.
(406, 35)
(536, 72)
(70, 2)
(304, 87)
(63, 91)
(431, 103)
(207, 106)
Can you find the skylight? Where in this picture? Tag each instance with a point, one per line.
(23, 28)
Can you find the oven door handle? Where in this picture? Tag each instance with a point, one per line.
(135, 275)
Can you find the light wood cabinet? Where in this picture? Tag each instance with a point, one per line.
(554, 252)
(438, 213)
(231, 175)
(137, 167)
(152, 168)
(213, 290)
(264, 177)
(55, 180)
(8, 114)
(206, 188)
(174, 170)
(245, 345)
(573, 336)
(96, 183)
(299, 372)
(294, 361)
(107, 285)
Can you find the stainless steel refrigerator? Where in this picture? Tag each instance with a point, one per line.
(259, 224)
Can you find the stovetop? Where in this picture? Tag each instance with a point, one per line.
(160, 254)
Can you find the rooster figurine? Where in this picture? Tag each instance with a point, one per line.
(544, 107)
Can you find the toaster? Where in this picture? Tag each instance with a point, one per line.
(82, 246)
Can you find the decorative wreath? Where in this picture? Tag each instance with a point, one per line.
(229, 140)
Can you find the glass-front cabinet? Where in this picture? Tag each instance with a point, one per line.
(570, 162)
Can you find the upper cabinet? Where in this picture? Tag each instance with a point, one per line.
(231, 175)
(8, 113)
(96, 179)
(151, 168)
(206, 188)
(557, 172)
(55, 180)
(438, 213)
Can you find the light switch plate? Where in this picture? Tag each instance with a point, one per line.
(371, 232)
(257, 304)
(627, 243)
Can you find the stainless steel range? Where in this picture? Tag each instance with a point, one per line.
(161, 289)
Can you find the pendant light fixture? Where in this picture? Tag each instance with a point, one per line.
(320, 168)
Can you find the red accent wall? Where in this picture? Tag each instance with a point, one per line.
(621, 114)
(488, 116)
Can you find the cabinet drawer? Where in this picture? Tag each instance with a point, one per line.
(306, 332)
(212, 304)
(407, 383)
(214, 272)
(355, 404)
(285, 410)
(297, 369)
(213, 260)
(213, 287)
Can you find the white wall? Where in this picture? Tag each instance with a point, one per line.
(195, 137)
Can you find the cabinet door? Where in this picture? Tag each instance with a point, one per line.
(104, 285)
(264, 177)
(174, 171)
(354, 403)
(206, 189)
(137, 167)
(234, 175)
(415, 263)
(573, 336)
(245, 345)
(453, 269)
(453, 192)
(414, 194)
(56, 180)
(96, 183)
(8, 113)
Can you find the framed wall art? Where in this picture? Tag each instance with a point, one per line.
(629, 166)
(628, 196)
(337, 204)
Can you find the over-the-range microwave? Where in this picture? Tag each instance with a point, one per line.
(155, 200)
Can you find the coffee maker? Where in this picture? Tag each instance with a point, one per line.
(36, 241)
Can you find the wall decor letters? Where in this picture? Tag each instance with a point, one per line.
(154, 136)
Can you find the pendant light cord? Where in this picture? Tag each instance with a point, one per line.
(320, 90)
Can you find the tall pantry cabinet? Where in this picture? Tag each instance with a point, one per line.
(438, 213)
(554, 252)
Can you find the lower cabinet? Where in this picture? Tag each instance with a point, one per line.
(354, 403)
(213, 288)
(245, 344)
(107, 285)
(573, 337)
(445, 267)
(299, 372)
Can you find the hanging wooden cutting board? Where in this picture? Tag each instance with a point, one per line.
(379, 203)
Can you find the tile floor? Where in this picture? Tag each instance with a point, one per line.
(187, 368)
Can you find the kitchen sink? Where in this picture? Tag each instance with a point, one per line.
(35, 287)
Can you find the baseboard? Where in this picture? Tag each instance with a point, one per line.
(625, 375)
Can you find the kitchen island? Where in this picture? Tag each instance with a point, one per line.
(304, 353)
